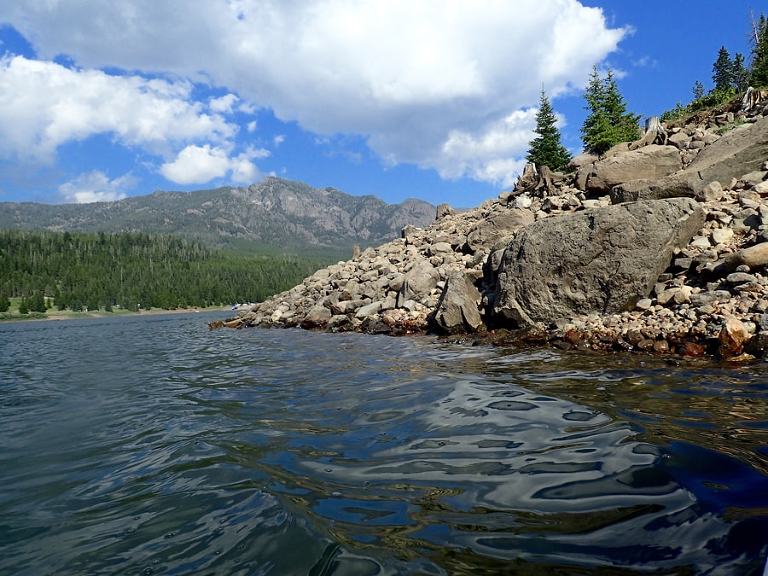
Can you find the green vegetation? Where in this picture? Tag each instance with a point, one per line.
(80, 271)
(730, 77)
(758, 74)
(547, 149)
(608, 122)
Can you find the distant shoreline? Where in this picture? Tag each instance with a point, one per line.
(69, 315)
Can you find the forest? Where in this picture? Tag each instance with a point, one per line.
(83, 271)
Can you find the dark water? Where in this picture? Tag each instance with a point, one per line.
(152, 446)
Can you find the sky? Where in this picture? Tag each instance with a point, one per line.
(430, 99)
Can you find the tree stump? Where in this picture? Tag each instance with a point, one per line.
(655, 133)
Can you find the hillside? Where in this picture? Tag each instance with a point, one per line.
(276, 213)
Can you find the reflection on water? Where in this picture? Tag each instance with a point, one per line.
(152, 446)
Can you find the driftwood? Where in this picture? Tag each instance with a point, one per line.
(655, 133)
(752, 98)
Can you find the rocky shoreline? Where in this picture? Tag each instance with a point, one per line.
(659, 246)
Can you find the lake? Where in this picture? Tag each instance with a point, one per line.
(149, 445)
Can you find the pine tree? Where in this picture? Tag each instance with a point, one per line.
(758, 77)
(608, 122)
(37, 302)
(739, 73)
(698, 90)
(626, 127)
(5, 302)
(722, 70)
(595, 130)
(23, 306)
(546, 149)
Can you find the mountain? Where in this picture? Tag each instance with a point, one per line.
(281, 214)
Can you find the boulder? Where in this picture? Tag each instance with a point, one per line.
(652, 161)
(602, 260)
(443, 210)
(497, 226)
(457, 309)
(317, 317)
(418, 282)
(740, 151)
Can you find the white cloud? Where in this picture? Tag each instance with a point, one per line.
(96, 186)
(429, 82)
(224, 104)
(44, 105)
(252, 125)
(201, 164)
(279, 139)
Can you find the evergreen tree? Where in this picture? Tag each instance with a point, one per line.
(546, 148)
(5, 302)
(608, 122)
(23, 307)
(37, 302)
(758, 77)
(698, 90)
(596, 128)
(626, 127)
(739, 74)
(722, 70)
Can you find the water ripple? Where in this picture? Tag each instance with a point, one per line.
(152, 446)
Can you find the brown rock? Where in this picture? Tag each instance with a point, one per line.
(732, 338)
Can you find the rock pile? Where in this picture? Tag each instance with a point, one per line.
(660, 245)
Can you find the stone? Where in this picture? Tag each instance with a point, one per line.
(701, 242)
(654, 161)
(443, 210)
(368, 310)
(418, 282)
(601, 260)
(457, 308)
(712, 192)
(644, 304)
(732, 338)
(740, 151)
(761, 188)
(680, 140)
(317, 317)
(740, 278)
(722, 235)
(492, 229)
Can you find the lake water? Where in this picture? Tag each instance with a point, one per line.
(149, 445)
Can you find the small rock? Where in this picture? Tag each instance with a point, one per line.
(722, 235)
(740, 278)
(732, 338)
(644, 304)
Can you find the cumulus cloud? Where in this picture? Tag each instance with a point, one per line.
(224, 104)
(96, 186)
(430, 82)
(44, 105)
(200, 164)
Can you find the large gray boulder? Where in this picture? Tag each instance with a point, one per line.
(649, 162)
(418, 282)
(497, 226)
(602, 260)
(740, 151)
(457, 309)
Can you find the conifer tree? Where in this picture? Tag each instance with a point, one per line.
(758, 77)
(23, 306)
(608, 122)
(739, 74)
(546, 149)
(722, 70)
(5, 302)
(698, 90)
(626, 127)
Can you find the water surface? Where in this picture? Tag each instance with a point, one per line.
(149, 445)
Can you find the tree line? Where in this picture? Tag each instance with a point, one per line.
(609, 123)
(79, 271)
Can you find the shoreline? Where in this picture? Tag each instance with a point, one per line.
(59, 316)
(658, 246)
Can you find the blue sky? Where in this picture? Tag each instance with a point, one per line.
(432, 99)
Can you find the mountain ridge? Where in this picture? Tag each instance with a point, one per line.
(275, 212)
